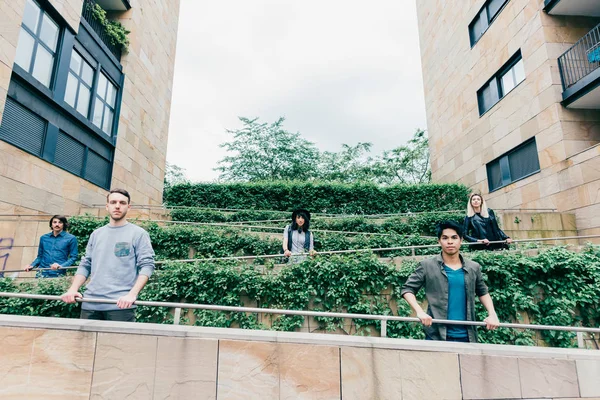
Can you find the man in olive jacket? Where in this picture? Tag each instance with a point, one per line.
(451, 283)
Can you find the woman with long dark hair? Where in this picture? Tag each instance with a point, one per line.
(297, 238)
(480, 226)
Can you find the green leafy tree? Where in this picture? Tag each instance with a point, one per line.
(267, 152)
(352, 164)
(405, 164)
(174, 175)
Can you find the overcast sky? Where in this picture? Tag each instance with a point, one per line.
(339, 71)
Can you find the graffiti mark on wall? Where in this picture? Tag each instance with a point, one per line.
(6, 245)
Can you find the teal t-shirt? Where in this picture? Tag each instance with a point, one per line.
(457, 302)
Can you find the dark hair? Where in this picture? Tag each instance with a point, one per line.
(306, 225)
(448, 225)
(120, 191)
(62, 219)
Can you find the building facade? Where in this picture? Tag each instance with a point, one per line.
(79, 114)
(512, 91)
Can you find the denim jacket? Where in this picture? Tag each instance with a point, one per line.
(61, 249)
(431, 275)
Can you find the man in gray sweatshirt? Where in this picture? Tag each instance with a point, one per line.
(119, 260)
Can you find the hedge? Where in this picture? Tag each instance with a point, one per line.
(320, 197)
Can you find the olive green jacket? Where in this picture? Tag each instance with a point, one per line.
(431, 275)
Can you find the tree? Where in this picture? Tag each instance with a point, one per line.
(405, 164)
(349, 165)
(174, 175)
(263, 151)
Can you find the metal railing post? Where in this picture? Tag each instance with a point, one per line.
(177, 316)
(580, 341)
(384, 328)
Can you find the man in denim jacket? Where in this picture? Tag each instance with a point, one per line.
(451, 283)
(57, 249)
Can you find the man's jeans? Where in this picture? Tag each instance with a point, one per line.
(126, 315)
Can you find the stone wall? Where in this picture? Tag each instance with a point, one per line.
(47, 358)
(144, 123)
(11, 12)
(462, 142)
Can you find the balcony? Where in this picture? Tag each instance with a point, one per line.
(114, 5)
(580, 72)
(586, 8)
(87, 14)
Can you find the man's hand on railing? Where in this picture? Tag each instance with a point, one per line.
(425, 318)
(126, 301)
(491, 322)
(71, 297)
(28, 268)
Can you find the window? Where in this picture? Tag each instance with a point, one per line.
(517, 164)
(22, 128)
(38, 39)
(484, 19)
(79, 84)
(104, 109)
(505, 80)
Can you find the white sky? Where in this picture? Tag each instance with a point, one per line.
(339, 71)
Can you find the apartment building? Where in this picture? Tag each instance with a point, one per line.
(79, 113)
(512, 91)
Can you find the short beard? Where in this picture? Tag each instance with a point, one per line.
(123, 215)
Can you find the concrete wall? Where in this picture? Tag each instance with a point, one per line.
(47, 358)
(462, 142)
(30, 184)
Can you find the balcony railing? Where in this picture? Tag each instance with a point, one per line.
(88, 15)
(580, 60)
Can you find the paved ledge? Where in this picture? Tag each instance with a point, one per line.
(181, 331)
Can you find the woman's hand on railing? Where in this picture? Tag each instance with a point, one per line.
(508, 240)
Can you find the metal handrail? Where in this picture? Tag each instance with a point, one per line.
(383, 318)
(581, 59)
(375, 250)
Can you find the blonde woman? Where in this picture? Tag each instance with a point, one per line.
(481, 226)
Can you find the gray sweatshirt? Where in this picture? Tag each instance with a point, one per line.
(114, 258)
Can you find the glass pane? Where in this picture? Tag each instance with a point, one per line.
(42, 69)
(49, 32)
(508, 82)
(31, 16)
(87, 74)
(71, 90)
(110, 96)
(485, 98)
(83, 101)
(101, 90)
(523, 161)
(494, 175)
(494, 7)
(519, 69)
(75, 62)
(108, 118)
(24, 50)
(98, 113)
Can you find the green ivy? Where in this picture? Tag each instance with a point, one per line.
(556, 287)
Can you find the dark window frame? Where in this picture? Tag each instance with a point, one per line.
(80, 81)
(105, 104)
(503, 164)
(483, 13)
(495, 84)
(37, 41)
